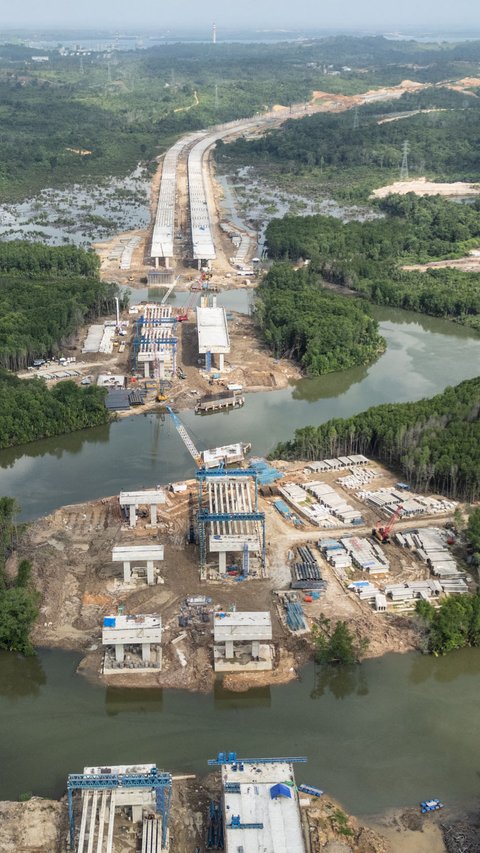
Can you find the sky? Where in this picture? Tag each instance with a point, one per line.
(367, 15)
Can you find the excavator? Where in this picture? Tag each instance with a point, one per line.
(382, 532)
(161, 397)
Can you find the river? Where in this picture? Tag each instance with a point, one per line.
(423, 356)
(385, 734)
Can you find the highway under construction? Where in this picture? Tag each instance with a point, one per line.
(185, 223)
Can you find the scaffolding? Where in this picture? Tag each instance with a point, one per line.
(225, 503)
(159, 782)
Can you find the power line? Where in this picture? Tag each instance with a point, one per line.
(404, 166)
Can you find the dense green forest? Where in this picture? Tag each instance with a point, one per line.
(434, 443)
(366, 256)
(46, 293)
(455, 625)
(18, 598)
(30, 411)
(300, 319)
(105, 114)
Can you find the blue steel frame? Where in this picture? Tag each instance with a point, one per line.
(161, 782)
(203, 516)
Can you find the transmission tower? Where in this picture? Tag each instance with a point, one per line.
(216, 96)
(404, 166)
(81, 63)
(356, 121)
(109, 72)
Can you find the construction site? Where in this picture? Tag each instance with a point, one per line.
(230, 571)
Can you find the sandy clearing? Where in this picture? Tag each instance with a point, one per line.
(421, 186)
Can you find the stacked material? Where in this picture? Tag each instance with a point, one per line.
(335, 553)
(306, 572)
(334, 503)
(295, 616)
(358, 478)
(366, 555)
(430, 546)
(337, 464)
(388, 500)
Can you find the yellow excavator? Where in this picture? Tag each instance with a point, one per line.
(161, 397)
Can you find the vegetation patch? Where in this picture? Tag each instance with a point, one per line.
(302, 320)
(454, 625)
(18, 598)
(434, 443)
(366, 256)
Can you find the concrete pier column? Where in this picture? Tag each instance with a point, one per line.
(222, 562)
(167, 263)
(229, 648)
(153, 515)
(156, 263)
(221, 361)
(199, 264)
(127, 572)
(150, 571)
(146, 651)
(132, 511)
(147, 369)
(162, 370)
(119, 652)
(255, 649)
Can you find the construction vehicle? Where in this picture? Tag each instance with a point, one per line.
(161, 397)
(183, 316)
(382, 532)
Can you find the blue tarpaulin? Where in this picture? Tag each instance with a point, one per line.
(280, 790)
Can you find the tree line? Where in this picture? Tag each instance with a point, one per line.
(434, 443)
(301, 320)
(46, 294)
(367, 256)
(30, 411)
(18, 597)
(454, 625)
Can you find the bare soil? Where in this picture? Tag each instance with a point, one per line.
(79, 585)
(37, 826)
(421, 186)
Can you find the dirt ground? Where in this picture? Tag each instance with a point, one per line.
(471, 263)
(37, 826)
(41, 826)
(79, 585)
(421, 186)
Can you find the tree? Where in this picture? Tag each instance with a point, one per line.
(473, 529)
(339, 648)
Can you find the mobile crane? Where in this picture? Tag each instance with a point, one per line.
(382, 532)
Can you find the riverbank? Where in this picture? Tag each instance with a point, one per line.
(41, 826)
(71, 555)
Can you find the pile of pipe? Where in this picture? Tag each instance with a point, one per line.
(306, 573)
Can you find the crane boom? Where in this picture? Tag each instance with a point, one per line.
(382, 532)
(185, 437)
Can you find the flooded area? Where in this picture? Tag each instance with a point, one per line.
(80, 214)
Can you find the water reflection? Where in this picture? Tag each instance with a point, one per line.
(228, 700)
(444, 669)
(139, 700)
(340, 681)
(71, 443)
(20, 676)
(329, 386)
